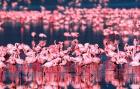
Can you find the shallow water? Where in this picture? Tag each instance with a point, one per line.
(15, 32)
(104, 76)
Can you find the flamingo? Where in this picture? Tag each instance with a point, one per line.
(120, 56)
(64, 62)
(30, 60)
(1, 29)
(96, 60)
(111, 53)
(19, 61)
(56, 26)
(42, 8)
(77, 59)
(33, 34)
(2, 86)
(135, 56)
(2, 65)
(75, 27)
(135, 86)
(20, 87)
(67, 34)
(136, 60)
(96, 86)
(45, 26)
(48, 64)
(41, 58)
(48, 87)
(33, 85)
(11, 59)
(74, 34)
(2, 59)
(26, 47)
(121, 61)
(42, 43)
(42, 35)
(66, 25)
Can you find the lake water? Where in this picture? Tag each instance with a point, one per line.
(103, 76)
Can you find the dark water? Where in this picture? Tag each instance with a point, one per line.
(12, 34)
(15, 32)
(104, 76)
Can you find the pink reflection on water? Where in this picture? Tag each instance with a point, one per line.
(86, 77)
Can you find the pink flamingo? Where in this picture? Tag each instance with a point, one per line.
(74, 34)
(135, 86)
(33, 34)
(67, 34)
(135, 59)
(42, 35)
(2, 65)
